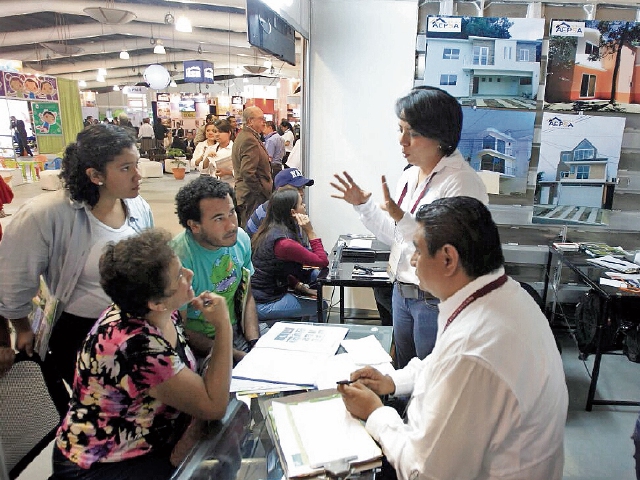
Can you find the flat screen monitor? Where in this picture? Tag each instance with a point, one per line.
(269, 32)
(187, 106)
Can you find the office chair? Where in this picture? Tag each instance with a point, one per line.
(28, 417)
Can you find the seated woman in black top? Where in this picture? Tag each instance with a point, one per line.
(279, 258)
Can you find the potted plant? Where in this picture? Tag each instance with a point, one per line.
(178, 162)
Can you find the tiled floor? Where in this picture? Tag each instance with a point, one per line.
(597, 443)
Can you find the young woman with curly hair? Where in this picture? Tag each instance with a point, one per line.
(61, 235)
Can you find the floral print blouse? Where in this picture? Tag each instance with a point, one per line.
(111, 415)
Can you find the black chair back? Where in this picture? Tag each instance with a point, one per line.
(28, 416)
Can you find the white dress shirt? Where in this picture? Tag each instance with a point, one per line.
(145, 131)
(490, 402)
(451, 177)
(288, 136)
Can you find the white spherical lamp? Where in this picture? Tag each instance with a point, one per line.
(157, 76)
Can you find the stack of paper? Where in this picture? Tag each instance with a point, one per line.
(290, 354)
(615, 263)
(360, 353)
(313, 430)
(602, 249)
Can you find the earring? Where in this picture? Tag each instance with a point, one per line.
(100, 183)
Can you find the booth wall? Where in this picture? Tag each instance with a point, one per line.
(361, 59)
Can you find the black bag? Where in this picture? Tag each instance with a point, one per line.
(588, 313)
(631, 340)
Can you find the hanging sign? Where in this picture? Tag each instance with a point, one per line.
(135, 90)
(30, 87)
(198, 71)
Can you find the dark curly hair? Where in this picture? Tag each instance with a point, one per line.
(188, 197)
(95, 146)
(279, 216)
(434, 114)
(135, 270)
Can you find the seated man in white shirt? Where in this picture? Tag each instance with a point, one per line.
(490, 402)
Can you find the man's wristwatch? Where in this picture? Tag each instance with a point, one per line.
(252, 343)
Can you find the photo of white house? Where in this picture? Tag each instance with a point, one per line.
(497, 144)
(483, 61)
(577, 169)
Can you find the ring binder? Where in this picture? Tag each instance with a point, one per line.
(339, 468)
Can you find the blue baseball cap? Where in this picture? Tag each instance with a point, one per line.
(291, 176)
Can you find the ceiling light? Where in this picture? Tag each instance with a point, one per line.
(267, 63)
(173, 83)
(255, 69)
(124, 55)
(100, 78)
(102, 72)
(237, 72)
(159, 48)
(82, 83)
(116, 88)
(183, 24)
(110, 16)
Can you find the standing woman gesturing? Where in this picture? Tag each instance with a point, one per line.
(430, 125)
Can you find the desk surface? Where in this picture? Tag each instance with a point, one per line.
(590, 273)
(341, 268)
(239, 447)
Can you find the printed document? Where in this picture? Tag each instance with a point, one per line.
(317, 431)
(290, 354)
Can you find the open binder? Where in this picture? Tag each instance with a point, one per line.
(315, 434)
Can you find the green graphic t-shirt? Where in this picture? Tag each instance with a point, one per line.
(218, 271)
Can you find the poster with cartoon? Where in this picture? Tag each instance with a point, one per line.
(2, 84)
(30, 87)
(46, 118)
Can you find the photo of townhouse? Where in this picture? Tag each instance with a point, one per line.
(593, 65)
(498, 144)
(486, 62)
(577, 168)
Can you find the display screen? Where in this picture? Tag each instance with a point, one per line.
(269, 32)
(187, 106)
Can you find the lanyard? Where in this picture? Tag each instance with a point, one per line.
(481, 292)
(422, 194)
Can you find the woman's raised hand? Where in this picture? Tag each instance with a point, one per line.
(214, 308)
(350, 191)
(389, 204)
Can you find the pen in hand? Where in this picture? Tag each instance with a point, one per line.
(345, 382)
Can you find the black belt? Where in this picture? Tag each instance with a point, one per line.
(412, 291)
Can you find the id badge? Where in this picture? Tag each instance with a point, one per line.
(394, 260)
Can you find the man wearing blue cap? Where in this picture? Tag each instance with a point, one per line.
(291, 177)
